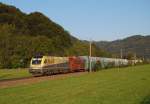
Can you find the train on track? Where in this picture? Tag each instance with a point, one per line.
(48, 65)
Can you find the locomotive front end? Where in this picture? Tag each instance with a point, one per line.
(36, 66)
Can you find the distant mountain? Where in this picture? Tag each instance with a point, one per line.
(137, 44)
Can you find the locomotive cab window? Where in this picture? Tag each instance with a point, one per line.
(35, 62)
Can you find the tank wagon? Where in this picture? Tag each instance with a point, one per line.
(47, 65)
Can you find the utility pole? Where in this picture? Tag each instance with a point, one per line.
(135, 56)
(90, 54)
(121, 53)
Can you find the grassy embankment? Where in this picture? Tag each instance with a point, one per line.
(129, 85)
(13, 73)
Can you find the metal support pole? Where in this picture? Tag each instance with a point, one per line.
(90, 56)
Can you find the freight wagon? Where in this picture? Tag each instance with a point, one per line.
(104, 62)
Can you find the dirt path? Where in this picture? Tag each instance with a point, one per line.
(30, 80)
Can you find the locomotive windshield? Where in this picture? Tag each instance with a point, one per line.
(35, 62)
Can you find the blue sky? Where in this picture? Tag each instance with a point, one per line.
(94, 19)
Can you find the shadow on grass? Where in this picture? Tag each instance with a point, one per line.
(146, 100)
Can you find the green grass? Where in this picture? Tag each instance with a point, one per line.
(116, 86)
(13, 73)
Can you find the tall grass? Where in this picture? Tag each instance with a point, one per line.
(13, 73)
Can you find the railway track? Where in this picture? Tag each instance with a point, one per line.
(29, 80)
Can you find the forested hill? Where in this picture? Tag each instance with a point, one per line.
(137, 44)
(23, 36)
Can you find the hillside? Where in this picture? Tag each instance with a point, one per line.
(139, 45)
(23, 36)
